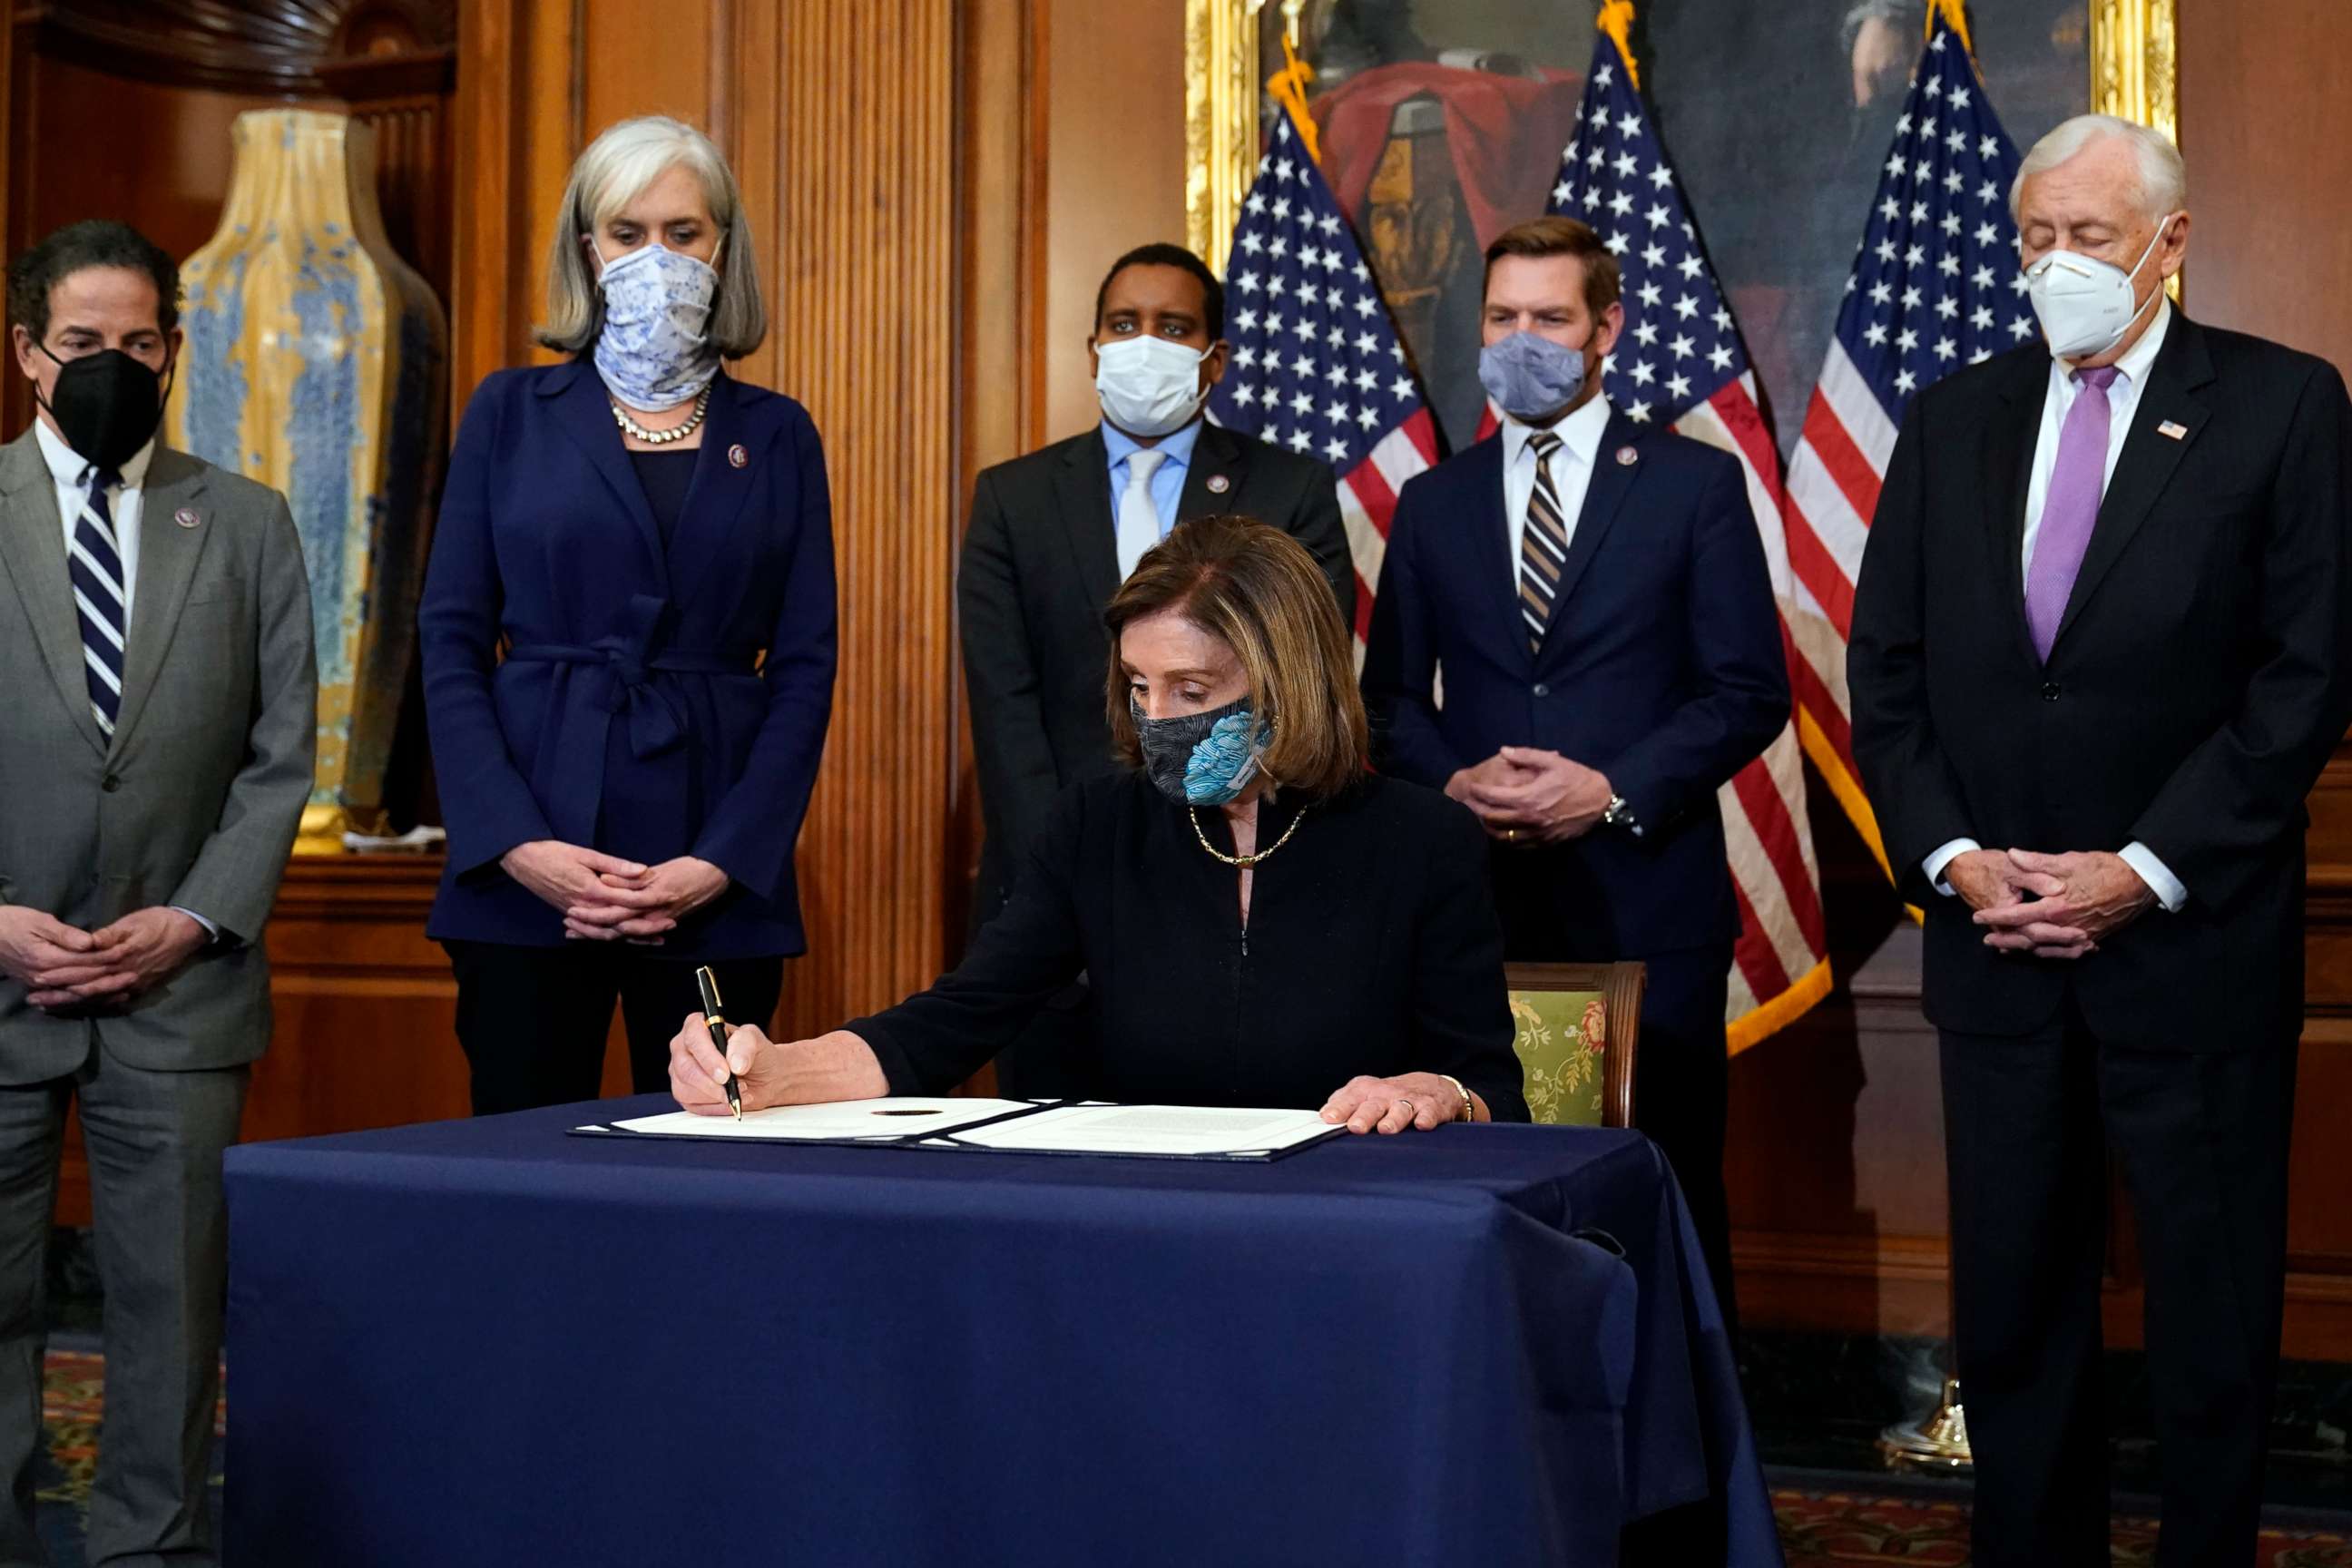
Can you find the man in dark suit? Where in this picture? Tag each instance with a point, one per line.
(1592, 597)
(155, 753)
(1053, 533)
(2097, 661)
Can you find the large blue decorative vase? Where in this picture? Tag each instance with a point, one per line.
(316, 363)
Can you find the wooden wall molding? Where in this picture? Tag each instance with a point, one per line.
(300, 48)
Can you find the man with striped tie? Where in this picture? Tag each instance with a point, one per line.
(1589, 594)
(156, 748)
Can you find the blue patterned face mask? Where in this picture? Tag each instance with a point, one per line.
(652, 352)
(1202, 758)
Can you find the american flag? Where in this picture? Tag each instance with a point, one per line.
(1680, 364)
(1317, 366)
(1936, 284)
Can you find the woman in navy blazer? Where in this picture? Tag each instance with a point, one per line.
(628, 638)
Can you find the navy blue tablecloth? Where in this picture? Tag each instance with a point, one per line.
(485, 1343)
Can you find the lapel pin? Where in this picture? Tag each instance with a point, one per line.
(2172, 430)
(737, 457)
(1219, 484)
(187, 517)
(1627, 456)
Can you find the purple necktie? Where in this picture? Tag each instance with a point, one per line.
(2070, 509)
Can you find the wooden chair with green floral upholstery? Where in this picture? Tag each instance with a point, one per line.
(1578, 1025)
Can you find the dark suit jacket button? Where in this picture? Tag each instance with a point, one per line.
(2049, 692)
(112, 784)
(1541, 689)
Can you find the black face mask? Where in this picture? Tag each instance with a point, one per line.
(107, 406)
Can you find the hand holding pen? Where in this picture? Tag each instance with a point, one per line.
(714, 1017)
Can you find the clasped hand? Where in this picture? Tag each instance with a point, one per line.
(61, 966)
(2050, 906)
(1525, 795)
(606, 898)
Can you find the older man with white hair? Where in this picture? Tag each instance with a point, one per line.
(2099, 655)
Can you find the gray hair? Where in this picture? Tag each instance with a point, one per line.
(615, 170)
(2163, 177)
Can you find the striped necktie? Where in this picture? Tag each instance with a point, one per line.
(99, 602)
(1543, 546)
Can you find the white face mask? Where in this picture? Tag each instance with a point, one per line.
(1149, 386)
(2085, 305)
(652, 352)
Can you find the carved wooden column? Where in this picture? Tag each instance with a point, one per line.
(841, 118)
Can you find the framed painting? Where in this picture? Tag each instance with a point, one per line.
(1441, 124)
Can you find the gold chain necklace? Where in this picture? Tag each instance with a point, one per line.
(1244, 861)
(663, 437)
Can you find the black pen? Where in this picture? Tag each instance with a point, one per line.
(713, 1015)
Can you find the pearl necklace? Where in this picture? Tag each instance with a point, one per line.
(664, 437)
(1244, 861)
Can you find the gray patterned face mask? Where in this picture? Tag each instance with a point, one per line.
(652, 352)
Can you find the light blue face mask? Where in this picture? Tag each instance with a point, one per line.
(1529, 376)
(1202, 758)
(652, 352)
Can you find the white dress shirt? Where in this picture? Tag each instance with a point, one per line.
(1571, 471)
(69, 471)
(2123, 402)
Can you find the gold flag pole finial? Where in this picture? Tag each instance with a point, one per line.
(1616, 19)
(1957, 14)
(1287, 87)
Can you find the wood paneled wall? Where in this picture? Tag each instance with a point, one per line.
(2266, 126)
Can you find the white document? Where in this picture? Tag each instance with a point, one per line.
(1173, 1129)
(876, 1119)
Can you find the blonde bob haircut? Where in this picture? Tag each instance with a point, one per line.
(615, 170)
(1256, 590)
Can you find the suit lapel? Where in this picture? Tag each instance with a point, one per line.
(2149, 457)
(1488, 544)
(715, 499)
(1082, 500)
(33, 552)
(1216, 456)
(586, 416)
(2007, 474)
(1612, 482)
(167, 563)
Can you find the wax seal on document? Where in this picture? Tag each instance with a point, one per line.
(1627, 456)
(1219, 484)
(187, 517)
(737, 457)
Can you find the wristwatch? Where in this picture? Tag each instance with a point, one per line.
(1620, 814)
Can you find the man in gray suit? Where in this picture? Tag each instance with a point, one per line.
(156, 743)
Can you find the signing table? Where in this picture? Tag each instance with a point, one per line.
(486, 1343)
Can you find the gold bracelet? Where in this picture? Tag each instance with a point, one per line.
(1469, 1106)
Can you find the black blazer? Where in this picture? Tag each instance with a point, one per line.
(1371, 948)
(1662, 667)
(2195, 689)
(1041, 562)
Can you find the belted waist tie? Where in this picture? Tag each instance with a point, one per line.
(570, 778)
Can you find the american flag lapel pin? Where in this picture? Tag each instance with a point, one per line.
(2172, 430)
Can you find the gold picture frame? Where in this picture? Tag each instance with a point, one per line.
(2133, 47)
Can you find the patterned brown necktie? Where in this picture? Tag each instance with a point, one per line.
(1543, 546)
